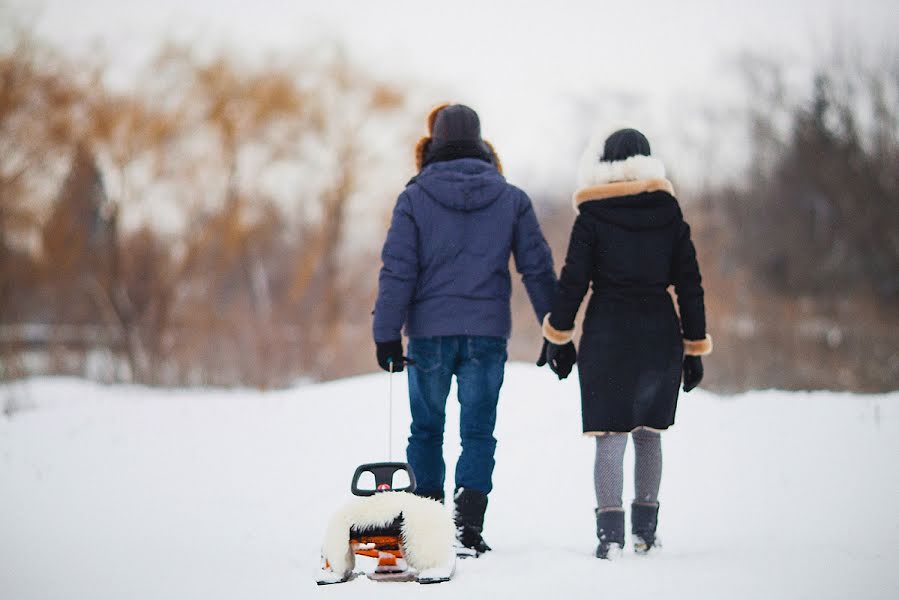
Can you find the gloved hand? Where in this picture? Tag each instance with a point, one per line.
(692, 372)
(561, 359)
(391, 352)
(541, 360)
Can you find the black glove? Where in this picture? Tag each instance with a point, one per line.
(541, 360)
(561, 359)
(692, 372)
(391, 352)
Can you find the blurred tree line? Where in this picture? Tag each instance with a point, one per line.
(219, 224)
(806, 284)
(243, 287)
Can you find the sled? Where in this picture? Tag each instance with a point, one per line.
(410, 536)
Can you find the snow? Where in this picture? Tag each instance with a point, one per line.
(112, 492)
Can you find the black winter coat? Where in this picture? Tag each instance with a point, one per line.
(630, 241)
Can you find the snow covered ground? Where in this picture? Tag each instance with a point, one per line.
(124, 492)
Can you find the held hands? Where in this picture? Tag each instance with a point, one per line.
(692, 372)
(561, 359)
(391, 352)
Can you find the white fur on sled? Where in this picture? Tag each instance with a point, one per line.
(428, 531)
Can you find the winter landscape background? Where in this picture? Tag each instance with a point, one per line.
(196, 194)
(192, 202)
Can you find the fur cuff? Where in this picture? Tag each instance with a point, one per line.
(698, 347)
(554, 335)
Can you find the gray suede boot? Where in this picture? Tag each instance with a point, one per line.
(610, 532)
(644, 520)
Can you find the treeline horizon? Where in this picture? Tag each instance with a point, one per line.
(275, 173)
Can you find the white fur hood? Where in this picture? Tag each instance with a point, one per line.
(636, 168)
(598, 180)
(591, 171)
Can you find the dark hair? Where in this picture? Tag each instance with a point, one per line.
(624, 144)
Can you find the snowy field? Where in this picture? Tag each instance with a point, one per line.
(129, 493)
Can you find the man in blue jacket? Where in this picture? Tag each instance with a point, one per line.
(446, 278)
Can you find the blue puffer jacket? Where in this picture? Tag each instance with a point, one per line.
(446, 258)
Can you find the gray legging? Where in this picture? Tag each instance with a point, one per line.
(608, 472)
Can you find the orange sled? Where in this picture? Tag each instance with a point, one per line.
(411, 537)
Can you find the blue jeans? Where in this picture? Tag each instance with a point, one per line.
(478, 362)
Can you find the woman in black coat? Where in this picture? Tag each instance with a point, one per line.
(630, 241)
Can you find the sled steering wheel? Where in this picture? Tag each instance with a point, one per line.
(384, 474)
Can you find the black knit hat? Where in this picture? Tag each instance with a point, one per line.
(456, 123)
(624, 144)
(454, 131)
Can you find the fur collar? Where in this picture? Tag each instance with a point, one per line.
(620, 188)
(598, 180)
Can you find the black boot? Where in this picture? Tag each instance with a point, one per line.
(469, 517)
(644, 520)
(609, 530)
(438, 496)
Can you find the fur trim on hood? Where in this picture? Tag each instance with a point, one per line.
(620, 188)
(598, 179)
(635, 168)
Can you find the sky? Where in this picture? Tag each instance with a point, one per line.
(543, 75)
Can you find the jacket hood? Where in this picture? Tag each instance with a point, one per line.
(631, 193)
(464, 184)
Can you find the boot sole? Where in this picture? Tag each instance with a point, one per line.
(613, 552)
(642, 548)
(466, 552)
